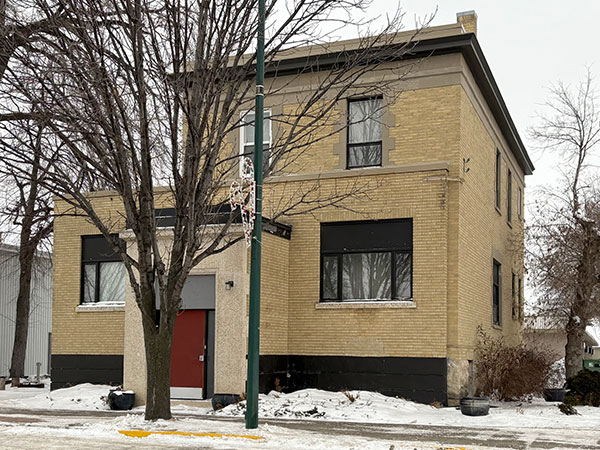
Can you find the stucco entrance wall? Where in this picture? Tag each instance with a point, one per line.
(231, 324)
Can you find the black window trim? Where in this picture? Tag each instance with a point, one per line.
(340, 255)
(520, 297)
(515, 305)
(496, 265)
(519, 202)
(393, 251)
(361, 144)
(97, 263)
(498, 182)
(509, 196)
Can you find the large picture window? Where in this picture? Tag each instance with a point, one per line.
(366, 260)
(364, 132)
(102, 272)
(247, 137)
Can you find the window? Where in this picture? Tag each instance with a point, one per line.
(509, 196)
(102, 272)
(515, 305)
(520, 294)
(496, 293)
(364, 132)
(498, 176)
(247, 137)
(519, 202)
(366, 260)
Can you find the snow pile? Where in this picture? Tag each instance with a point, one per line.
(371, 407)
(359, 406)
(83, 397)
(313, 404)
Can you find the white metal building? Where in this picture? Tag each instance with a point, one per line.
(40, 318)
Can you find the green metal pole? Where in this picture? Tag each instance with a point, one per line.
(254, 314)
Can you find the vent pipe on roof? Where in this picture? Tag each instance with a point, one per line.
(468, 19)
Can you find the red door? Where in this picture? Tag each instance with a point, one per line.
(187, 358)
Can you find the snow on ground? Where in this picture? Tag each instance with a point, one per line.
(104, 432)
(313, 404)
(82, 397)
(372, 407)
(537, 420)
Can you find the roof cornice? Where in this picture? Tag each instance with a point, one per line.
(466, 44)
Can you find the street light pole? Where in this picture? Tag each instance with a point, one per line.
(254, 313)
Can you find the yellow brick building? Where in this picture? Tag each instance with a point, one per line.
(385, 295)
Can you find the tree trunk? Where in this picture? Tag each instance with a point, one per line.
(158, 372)
(17, 364)
(583, 297)
(574, 348)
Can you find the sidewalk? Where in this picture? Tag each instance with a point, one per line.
(54, 429)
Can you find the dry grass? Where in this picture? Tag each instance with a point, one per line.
(350, 396)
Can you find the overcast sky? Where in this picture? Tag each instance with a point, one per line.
(529, 44)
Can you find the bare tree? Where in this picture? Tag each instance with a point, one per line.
(21, 23)
(564, 237)
(29, 208)
(31, 212)
(138, 94)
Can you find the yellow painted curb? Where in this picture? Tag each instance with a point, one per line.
(141, 434)
(450, 448)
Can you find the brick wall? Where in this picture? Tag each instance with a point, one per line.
(457, 231)
(274, 295)
(79, 332)
(484, 233)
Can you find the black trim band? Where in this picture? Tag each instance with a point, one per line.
(420, 379)
(69, 370)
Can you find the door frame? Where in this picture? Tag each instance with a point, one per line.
(209, 338)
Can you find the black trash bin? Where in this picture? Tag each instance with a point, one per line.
(220, 401)
(121, 400)
(554, 395)
(475, 406)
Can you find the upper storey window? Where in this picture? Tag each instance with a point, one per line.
(364, 132)
(509, 196)
(247, 137)
(519, 202)
(498, 182)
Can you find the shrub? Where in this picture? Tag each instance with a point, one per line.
(567, 409)
(510, 372)
(584, 389)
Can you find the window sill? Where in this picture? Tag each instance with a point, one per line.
(370, 166)
(109, 307)
(393, 304)
(498, 210)
(497, 327)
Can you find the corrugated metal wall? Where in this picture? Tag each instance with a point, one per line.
(40, 318)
